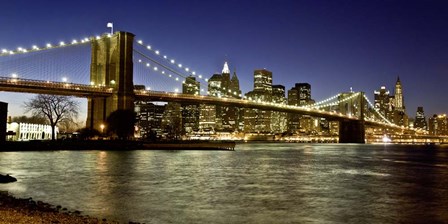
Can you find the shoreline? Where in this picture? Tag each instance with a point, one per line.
(26, 210)
(117, 145)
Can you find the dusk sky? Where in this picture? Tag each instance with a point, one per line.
(333, 45)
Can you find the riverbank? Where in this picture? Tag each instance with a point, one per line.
(17, 210)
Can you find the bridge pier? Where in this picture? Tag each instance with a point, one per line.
(351, 131)
(111, 66)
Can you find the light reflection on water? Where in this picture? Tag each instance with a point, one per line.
(257, 183)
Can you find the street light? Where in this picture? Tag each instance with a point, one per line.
(102, 128)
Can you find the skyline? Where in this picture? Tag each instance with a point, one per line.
(361, 45)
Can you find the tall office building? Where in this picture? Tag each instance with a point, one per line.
(278, 119)
(149, 119)
(400, 116)
(399, 102)
(263, 81)
(172, 121)
(256, 120)
(190, 112)
(299, 95)
(438, 125)
(420, 119)
(383, 103)
(230, 88)
(223, 118)
(211, 116)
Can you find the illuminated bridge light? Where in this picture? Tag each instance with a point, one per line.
(140, 41)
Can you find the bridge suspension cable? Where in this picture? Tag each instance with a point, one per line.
(68, 64)
(171, 67)
(49, 45)
(337, 102)
(376, 110)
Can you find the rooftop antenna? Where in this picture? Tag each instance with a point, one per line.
(111, 26)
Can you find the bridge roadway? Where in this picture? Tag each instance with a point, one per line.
(50, 87)
(81, 90)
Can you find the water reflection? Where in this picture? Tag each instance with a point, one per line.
(257, 183)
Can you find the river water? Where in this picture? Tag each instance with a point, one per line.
(256, 183)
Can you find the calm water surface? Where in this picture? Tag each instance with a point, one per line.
(257, 183)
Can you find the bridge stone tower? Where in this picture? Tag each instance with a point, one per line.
(353, 131)
(111, 66)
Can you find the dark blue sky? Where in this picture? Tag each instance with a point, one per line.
(333, 45)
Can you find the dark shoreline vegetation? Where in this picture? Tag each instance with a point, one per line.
(26, 210)
(113, 145)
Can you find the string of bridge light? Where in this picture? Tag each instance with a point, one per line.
(376, 110)
(187, 70)
(162, 70)
(338, 102)
(323, 101)
(171, 61)
(49, 45)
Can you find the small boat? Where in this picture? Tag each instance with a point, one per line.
(7, 179)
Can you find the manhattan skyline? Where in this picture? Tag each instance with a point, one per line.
(331, 45)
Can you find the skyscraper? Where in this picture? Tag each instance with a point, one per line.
(278, 119)
(225, 118)
(400, 117)
(190, 112)
(383, 103)
(149, 119)
(438, 125)
(399, 102)
(420, 119)
(299, 95)
(263, 81)
(256, 120)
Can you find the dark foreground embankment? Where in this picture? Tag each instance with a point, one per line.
(16, 210)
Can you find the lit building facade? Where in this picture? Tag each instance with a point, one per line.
(172, 121)
(400, 117)
(383, 103)
(222, 118)
(190, 112)
(256, 120)
(149, 119)
(438, 125)
(278, 119)
(420, 119)
(300, 95)
(27, 132)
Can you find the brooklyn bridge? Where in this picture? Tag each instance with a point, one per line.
(112, 84)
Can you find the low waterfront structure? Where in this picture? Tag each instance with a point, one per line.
(26, 131)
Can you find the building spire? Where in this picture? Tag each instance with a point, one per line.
(225, 69)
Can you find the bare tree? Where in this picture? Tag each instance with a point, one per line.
(54, 108)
